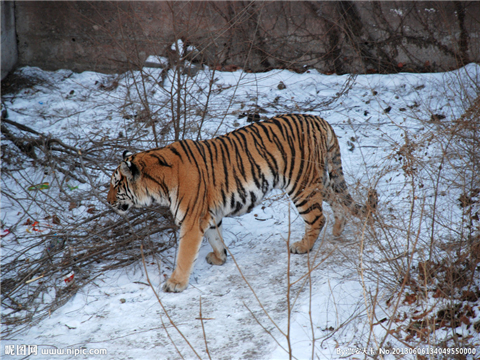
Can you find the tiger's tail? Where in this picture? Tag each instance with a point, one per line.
(339, 186)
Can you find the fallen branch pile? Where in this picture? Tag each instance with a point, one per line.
(54, 252)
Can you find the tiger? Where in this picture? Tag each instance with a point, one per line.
(204, 181)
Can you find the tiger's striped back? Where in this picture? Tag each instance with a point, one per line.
(286, 152)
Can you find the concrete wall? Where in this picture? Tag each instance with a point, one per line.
(333, 37)
(9, 39)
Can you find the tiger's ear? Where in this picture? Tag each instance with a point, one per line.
(126, 154)
(129, 170)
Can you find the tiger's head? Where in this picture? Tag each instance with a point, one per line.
(141, 180)
(122, 193)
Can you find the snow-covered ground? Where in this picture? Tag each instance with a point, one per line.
(244, 304)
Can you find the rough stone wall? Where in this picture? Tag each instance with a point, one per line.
(333, 37)
(9, 40)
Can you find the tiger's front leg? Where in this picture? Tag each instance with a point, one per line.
(190, 241)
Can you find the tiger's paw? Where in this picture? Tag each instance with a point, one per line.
(213, 259)
(174, 286)
(299, 248)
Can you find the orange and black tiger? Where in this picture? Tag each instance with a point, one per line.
(203, 181)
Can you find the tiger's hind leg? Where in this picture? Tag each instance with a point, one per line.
(338, 212)
(219, 254)
(309, 205)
